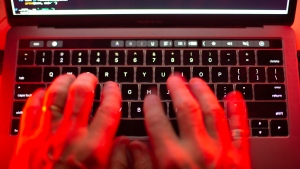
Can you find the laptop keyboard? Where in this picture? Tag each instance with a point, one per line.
(253, 67)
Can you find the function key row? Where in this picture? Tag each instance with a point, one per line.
(150, 57)
(156, 74)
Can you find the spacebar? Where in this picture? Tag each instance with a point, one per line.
(137, 128)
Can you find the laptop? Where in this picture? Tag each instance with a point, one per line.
(247, 46)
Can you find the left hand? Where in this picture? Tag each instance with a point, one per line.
(54, 130)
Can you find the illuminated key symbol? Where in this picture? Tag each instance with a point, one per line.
(153, 54)
(62, 54)
(79, 54)
(116, 54)
(98, 53)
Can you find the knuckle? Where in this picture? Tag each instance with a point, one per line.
(188, 105)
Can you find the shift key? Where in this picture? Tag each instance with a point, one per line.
(269, 92)
(23, 91)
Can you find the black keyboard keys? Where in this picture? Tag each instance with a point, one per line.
(125, 74)
(210, 57)
(25, 57)
(201, 72)
(130, 91)
(172, 57)
(191, 57)
(50, 73)
(154, 57)
(136, 110)
(219, 74)
(80, 57)
(116, 57)
(23, 91)
(269, 57)
(29, 74)
(162, 74)
(275, 74)
(246, 57)
(62, 57)
(269, 92)
(245, 90)
(228, 57)
(257, 74)
(135, 57)
(279, 128)
(106, 74)
(98, 57)
(266, 109)
(43, 57)
(238, 74)
(144, 74)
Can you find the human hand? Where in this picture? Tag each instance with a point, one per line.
(205, 140)
(54, 131)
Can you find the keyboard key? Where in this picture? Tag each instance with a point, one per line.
(23, 91)
(246, 90)
(246, 57)
(130, 91)
(98, 57)
(201, 72)
(92, 70)
(191, 57)
(25, 57)
(125, 74)
(266, 109)
(116, 57)
(164, 92)
(18, 108)
(269, 57)
(257, 74)
(135, 57)
(238, 74)
(144, 74)
(162, 74)
(147, 89)
(260, 132)
(80, 57)
(131, 128)
(70, 70)
(172, 57)
(219, 74)
(228, 57)
(50, 73)
(62, 57)
(29, 74)
(259, 124)
(106, 74)
(154, 57)
(43, 57)
(210, 57)
(136, 110)
(223, 90)
(184, 72)
(279, 128)
(15, 125)
(124, 110)
(275, 74)
(269, 92)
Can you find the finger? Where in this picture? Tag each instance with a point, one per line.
(141, 155)
(213, 114)
(190, 120)
(119, 154)
(55, 100)
(104, 125)
(239, 126)
(238, 119)
(32, 113)
(158, 127)
(79, 101)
